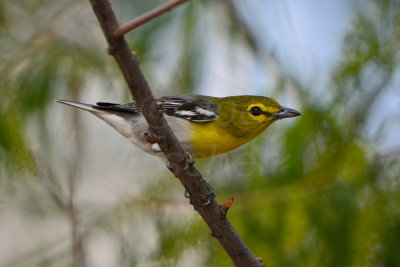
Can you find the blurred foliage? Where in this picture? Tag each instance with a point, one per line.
(316, 192)
(332, 200)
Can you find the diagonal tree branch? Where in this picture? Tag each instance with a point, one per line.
(160, 132)
(133, 24)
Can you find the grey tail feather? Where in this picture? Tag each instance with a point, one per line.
(79, 105)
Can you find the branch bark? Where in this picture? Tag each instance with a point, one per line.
(159, 131)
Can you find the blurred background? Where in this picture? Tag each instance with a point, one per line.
(319, 190)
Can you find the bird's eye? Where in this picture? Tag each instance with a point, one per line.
(256, 111)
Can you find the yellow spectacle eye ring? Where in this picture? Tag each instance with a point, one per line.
(257, 108)
(258, 112)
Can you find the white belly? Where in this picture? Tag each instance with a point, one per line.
(133, 127)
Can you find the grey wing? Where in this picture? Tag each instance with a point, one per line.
(194, 108)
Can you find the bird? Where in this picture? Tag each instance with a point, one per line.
(204, 125)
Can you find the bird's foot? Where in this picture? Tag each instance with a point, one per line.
(210, 196)
(155, 148)
(189, 162)
(170, 168)
(186, 194)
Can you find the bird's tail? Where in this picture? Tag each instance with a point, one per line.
(79, 105)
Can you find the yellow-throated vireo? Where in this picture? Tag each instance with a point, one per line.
(204, 125)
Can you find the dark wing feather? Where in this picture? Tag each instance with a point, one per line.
(127, 107)
(190, 107)
(194, 108)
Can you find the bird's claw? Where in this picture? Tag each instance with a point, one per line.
(189, 160)
(210, 196)
(170, 168)
(186, 194)
(155, 148)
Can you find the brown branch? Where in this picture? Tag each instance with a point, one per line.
(142, 19)
(160, 132)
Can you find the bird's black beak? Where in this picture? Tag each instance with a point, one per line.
(286, 113)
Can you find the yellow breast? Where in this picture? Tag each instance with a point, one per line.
(207, 140)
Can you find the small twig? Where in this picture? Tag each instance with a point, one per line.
(142, 19)
(225, 207)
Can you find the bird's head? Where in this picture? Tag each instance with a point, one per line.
(252, 114)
